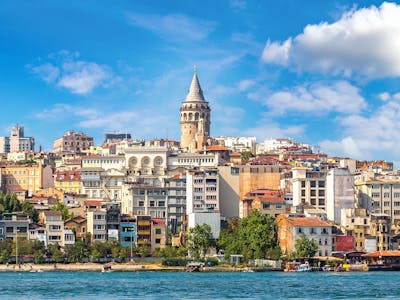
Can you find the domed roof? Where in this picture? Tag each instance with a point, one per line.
(195, 93)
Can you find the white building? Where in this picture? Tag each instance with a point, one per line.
(202, 190)
(17, 141)
(308, 187)
(192, 160)
(339, 193)
(206, 217)
(238, 144)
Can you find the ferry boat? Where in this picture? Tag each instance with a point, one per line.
(294, 266)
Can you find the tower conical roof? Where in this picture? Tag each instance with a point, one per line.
(195, 92)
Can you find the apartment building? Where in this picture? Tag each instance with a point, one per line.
(13, 225)
(72, 142)
(309, 187)
(54, 224)
(97, 225)
(26, 179)
(269, 202)
(202, 190)
(291, 228)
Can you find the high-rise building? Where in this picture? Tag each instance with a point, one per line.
(195, 118)
(17, 141)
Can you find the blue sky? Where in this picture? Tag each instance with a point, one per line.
(322, 72)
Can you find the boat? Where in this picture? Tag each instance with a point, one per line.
(303, 268)
(107, 269)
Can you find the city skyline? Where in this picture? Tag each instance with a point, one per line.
(325, 74)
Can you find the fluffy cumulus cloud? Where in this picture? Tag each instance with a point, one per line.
(368, 137)
(174, 27)
(67, 71)
(364, 42)
(317, 98)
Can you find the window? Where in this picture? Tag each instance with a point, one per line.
(161, 203)
(303, 184)
(278, 205)
(266, 205)
(321, 184)
(151, 203)
(158, 230)
(158, 241)
(321, 193)
(9, 229)
(312, 193)
(376, 195)
(386, 195)
(313, 183)
(303, 193)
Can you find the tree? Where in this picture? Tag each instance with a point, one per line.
(305, 248)
(38, 256)
(4, 256)
(198, 240)
(143, 251)
(61, 207)
(246, 155)
(56, 253)
(254, 237)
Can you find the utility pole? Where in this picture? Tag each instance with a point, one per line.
(16, 248)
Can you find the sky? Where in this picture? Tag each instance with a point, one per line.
(326, 73)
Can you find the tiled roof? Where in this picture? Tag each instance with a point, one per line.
(307, 222)
(378, 254)
(158, 221)
(217, 148)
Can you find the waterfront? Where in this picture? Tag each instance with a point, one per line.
(157, 285)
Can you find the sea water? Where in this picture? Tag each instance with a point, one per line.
(158, 285)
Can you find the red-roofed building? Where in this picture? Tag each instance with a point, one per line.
(267, 201)
(291, 228)
(222, 151)
(158, 234)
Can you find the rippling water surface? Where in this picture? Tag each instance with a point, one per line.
(58, 285)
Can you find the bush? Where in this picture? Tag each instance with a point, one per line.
(174, 262)
(211, 262)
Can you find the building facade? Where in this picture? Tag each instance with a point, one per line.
(72, 142)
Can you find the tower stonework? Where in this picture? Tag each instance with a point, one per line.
(195, 118)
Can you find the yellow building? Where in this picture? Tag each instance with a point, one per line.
(26, 179)
(68, 181)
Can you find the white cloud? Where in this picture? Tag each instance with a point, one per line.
(245, 84)
(173, 27)
(368, 137)
(277, 52)
(318, 98)
(364, 41)
(79, 77)
(270, 129)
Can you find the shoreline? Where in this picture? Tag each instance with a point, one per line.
(116, 267)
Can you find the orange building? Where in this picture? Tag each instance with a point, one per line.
(291, 228)
(252, 177)
(269, 202)
(26, 179)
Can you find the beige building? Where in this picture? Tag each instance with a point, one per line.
(309, 187)
(252, 177)
(356, 222)
(72, 142)
(195, 118)
(291, 228)
(54, 225)
(97, 225)
(380, 196)
(16, 141)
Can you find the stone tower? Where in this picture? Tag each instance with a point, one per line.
(195, 118)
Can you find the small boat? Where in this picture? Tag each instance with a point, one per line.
(107, 269)
(303, 268)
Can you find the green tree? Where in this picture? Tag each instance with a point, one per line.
(61, 207)
(143, 251)
(305, 248)
(38, 256)
(254, 237)
(56, 253)
(5, 255)
(123, 253)
(95, 254)
(77, 252)
(246, 155)
(198, 240)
